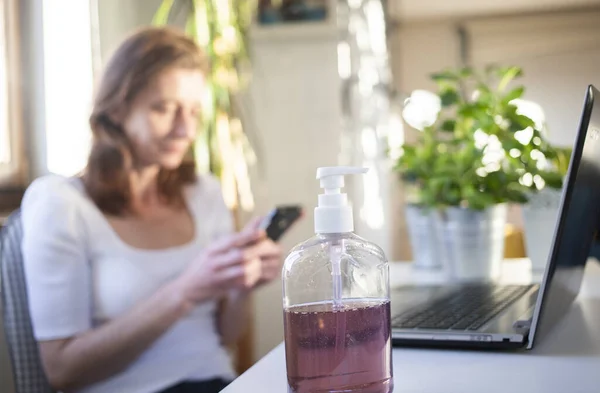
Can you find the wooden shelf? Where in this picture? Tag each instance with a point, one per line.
(294, 31)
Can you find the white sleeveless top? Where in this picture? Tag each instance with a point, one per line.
(80, 273)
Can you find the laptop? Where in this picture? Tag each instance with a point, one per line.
(494, 316)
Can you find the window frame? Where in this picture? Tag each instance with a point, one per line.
(13, 174)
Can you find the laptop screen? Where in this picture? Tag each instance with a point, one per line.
(577, 224)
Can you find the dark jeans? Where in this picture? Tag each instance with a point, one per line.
(210, 386)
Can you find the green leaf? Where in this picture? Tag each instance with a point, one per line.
(444, 76)
(471, 110)
(517, 196)
(511, 143)
(449, 97)
(495, 180)
(448, 125)
(408, 150)
(524, 121)
(161, 17)
(486, 122)
(507, 74)
(485, 97)
(480, 200)
(552, 179)
(562, 159)
(520, 122)
(466, 72)
(515, 93)
(453, 196)
(190, 25)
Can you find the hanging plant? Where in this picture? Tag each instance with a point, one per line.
(222, 147)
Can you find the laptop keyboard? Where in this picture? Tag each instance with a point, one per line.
(469, 308)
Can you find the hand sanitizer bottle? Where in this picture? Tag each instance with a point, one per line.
(336, 302)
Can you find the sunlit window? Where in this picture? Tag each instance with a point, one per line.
(68, 84)
(5, 140)
(11, 168)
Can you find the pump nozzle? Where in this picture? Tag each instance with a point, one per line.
(333, 215)
(333, 176)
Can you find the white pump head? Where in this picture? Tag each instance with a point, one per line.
(333, 214)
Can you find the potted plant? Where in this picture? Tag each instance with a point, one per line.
(479, 155)
(415, 165)
(540, 214)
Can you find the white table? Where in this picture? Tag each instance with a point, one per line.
(567, 361)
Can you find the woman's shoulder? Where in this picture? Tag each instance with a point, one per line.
(53, 212)
(55, 190)
(205, 197)
(207, 202)
(206, 186)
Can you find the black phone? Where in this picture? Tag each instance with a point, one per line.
(280, 219)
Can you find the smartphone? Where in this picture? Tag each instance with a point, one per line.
(280, 219)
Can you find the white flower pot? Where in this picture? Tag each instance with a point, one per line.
(423, 237)
(472, 242)
(539, 221)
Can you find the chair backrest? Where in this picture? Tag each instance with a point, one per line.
(29, 376)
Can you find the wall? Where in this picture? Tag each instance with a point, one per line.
(120, 17)
(440, 9)
(560, 55)
(295, 98)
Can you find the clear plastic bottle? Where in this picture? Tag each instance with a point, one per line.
(336, 303)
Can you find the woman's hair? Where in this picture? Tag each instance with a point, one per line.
(136, 63)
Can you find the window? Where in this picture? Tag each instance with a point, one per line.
(68, 84)
(4, 126)
(11, 160)
(59, 44)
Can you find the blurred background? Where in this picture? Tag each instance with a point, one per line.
(308, 83)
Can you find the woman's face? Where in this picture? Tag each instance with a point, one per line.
(162, 120)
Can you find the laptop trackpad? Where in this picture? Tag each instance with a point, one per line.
(406, 297)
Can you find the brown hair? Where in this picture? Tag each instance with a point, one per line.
(134, 65)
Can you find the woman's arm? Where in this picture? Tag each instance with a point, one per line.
(233, 315)
(234, 310)
(104, 351)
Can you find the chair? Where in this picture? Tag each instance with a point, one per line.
(29, 376)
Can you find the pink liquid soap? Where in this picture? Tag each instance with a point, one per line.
(343, 350)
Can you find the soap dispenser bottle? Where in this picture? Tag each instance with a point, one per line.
(336, 302)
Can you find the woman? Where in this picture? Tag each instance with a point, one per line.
(126, 265)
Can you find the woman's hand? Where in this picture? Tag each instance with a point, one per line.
(234, 309)
(269, 254)
(270, 265)
(232, 262)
